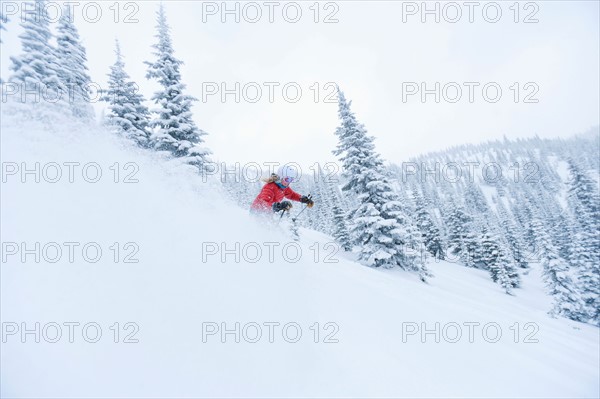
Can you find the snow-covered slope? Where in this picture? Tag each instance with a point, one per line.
(178, 293)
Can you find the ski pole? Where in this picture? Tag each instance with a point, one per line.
(303, 209)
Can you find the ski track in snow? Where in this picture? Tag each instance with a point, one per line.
(170, 213)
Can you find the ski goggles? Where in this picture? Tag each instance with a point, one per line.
(288, 180)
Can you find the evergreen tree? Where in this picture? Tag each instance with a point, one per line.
(495, 259)
(430, 233)
(127, 111)
(379, 225)
(322, 214)
(587, 276)
(36, 69)
(175, 130)
(511, 234)
(563, 236)
(340, 232)
(461, 235)
(560, 285)
(584, 198)
(73, 72)
(584, 201)
(475, 199)
(339, 216)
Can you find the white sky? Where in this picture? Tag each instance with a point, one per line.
(369, 52)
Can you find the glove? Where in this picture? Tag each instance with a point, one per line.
(282, 206)
(307, 200)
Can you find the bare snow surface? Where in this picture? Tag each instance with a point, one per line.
(181, 295)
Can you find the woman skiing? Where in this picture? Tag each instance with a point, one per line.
(278, 187)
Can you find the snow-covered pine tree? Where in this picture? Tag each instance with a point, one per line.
(563, 236)
(36, 68)
(585, 276)
(73, 72)
(494, 257)
(329, 193)
(126, 104)
(524, 211)
(461, 241)
(475, 199)
(473, 244)
(512, 236)
(340, 229)
(175, 130)
(379, 226)
(321, 215)
(584, 199)
(556, 275)
(584, 203)
(429, 231)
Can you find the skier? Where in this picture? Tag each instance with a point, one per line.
(276, 188)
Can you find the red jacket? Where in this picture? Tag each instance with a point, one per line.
(270, 194)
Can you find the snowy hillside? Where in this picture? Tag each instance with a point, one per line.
(369, 339)
(167, 234)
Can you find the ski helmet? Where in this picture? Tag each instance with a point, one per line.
(288, 173)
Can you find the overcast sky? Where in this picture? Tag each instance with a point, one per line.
(378, 52)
